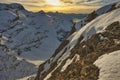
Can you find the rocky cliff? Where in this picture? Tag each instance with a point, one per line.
(80, 55)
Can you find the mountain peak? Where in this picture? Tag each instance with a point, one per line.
(17, 6)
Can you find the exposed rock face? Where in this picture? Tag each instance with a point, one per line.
(75, 60)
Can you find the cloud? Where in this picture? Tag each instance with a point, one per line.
(72, 9)
(68, 2)
(88, 2)
(27, 3)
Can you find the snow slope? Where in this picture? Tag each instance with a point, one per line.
(109, 65)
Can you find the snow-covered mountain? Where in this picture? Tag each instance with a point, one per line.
(90, 53)
(32, 34)
(28, 38)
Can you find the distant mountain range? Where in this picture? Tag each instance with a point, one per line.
(27, 39)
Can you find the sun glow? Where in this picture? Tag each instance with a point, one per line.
(53, 2)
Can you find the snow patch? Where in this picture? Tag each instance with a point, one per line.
(109, 65)
(69, 61)
(117, 41)
(103, 38)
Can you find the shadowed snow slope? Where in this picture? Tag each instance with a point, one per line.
(30, 35)
(11, 68)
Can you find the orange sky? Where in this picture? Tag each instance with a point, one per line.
(65, 6)
(64, 9)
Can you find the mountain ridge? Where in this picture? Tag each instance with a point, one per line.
(75, 61)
